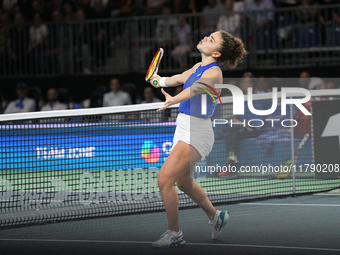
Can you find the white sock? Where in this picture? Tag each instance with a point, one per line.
(215, 218)
(174, 233)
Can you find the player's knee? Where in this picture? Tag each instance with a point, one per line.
(163, 183)
(185, 185)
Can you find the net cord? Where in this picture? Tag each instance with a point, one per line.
(140, 107)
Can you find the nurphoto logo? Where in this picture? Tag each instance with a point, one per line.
(238, 104)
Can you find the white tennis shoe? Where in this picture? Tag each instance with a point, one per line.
(218, 223)
(170, 239)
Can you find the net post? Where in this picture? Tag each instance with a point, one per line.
(292, 149)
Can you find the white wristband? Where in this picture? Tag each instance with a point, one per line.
(162, 82)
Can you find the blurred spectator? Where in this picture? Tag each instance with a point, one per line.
(65, 98)
(140, 7)
(149, 96)
(165, 33)
(54, 42)
(127, 8)
(7, 5)
(82, 43)
(165, 27)
(100, 34)
(4, 29)
(155, 6)
(23, 6)
(116, 96)
(230, 22)
(3, 103)
(38, 33)
(36, 7)
(184, 43)
(114, 8)
(262, 20)
(132, 90)
(263, 85)
(96, 98)
(151, 116)
(306, 20)
(330, 22)
(34, 92)
(85, 5)
(53, 102)
(17, 45)
(68, 11)
(331, 85)
(99, 10)
(23, 103)
(306, 16)
(240, 5)
(210, 18)
(192, 7)
(308, 82)
(49, 6)
(180, 6)
(103, 2)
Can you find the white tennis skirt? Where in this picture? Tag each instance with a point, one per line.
(197, 132)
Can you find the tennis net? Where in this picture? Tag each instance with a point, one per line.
(75, 164)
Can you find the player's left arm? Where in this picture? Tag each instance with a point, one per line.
(210, 77)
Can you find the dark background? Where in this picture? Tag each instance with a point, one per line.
(80, 86)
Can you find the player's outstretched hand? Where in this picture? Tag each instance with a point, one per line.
(169, 100)
(154, 80)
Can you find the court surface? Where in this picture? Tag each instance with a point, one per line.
(299, 225)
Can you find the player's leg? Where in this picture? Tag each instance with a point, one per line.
(176, 165)
(196, 193)
(218, 219)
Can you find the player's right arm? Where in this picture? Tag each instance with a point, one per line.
(175, 80)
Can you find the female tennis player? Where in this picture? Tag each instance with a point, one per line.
(220, 48)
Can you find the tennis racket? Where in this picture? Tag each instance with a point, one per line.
(284, 173)
(153, 68)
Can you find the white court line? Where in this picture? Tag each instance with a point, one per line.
(320, 205)
(197, 244)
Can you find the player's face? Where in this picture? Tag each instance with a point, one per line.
(209, 45)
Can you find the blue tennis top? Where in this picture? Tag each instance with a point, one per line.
(196, 101)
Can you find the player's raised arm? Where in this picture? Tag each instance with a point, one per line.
(206, 83)
(174, 80)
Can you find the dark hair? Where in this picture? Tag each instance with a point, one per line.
(232, 50)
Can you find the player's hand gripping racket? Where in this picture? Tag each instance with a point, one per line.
(287, 167)
(153, 68)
